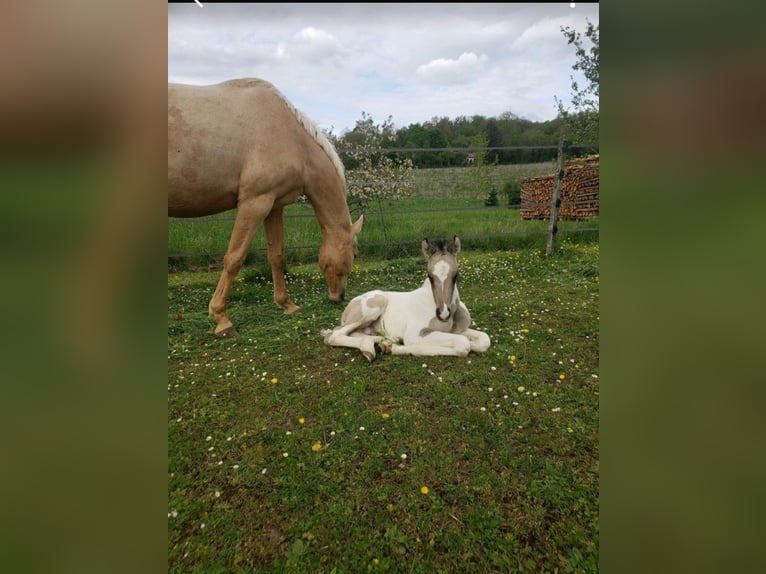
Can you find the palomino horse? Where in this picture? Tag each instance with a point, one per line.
(431, 320)
(241, 144)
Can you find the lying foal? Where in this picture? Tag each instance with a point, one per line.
(430, 320)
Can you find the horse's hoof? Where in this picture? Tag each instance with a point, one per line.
(369, 356)
(291, 309)
(228, 332)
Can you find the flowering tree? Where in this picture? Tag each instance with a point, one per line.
(372, 174)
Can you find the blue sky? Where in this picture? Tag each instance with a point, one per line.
(412, 62)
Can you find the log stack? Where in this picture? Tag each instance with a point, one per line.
(579, 192)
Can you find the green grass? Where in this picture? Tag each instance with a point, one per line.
(512, 475)
(460, 182)
(392, 228)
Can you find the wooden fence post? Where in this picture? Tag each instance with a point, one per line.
(556, 199)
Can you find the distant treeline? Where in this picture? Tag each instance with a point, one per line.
(461, 133)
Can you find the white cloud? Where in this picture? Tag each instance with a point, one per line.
(310, 45)
(409, 61)
(444, 71)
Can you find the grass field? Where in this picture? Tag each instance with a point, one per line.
(285, 455)
(444, 202)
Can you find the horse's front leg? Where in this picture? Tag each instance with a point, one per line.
(274, 226)
(250, 215)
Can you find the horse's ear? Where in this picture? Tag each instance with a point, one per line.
(454, 247)
(427, 250)
(357, 227)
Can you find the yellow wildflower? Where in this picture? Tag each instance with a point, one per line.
(301, 420)
(317, 446)
(423, 490)
(274, 381)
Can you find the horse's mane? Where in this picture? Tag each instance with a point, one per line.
(319, 137)
(308, 124)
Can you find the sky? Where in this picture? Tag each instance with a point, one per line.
(412, 62)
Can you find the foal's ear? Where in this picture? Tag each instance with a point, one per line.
(454, 247)
(427, 249)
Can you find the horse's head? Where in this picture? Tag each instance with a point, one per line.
(336, 258)
(442, 273)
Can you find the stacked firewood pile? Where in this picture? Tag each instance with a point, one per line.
(579, 192)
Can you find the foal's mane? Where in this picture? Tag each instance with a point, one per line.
(439, 245)
(310, 127)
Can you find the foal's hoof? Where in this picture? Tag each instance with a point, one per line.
(383, 346)
(370, 353)
(228, 332)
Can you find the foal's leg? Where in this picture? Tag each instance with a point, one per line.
(274, 225)
(358, 316)
(250, 215)
(479, 341)
(341, 337)
(435, 343)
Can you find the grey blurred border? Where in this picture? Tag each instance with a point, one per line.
(683, 88)
(84, 409)
(83, 253)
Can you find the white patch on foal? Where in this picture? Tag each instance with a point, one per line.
(441, 270)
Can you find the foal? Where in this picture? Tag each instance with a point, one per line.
(430, 320)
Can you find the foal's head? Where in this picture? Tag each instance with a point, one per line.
(442, 273)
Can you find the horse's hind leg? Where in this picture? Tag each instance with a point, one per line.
(275, 239)
(250, 215)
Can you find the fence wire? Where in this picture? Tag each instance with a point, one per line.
(429, 183)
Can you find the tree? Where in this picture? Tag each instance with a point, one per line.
(371, 174)
(482, 170)
(494, 139)
(582, 119)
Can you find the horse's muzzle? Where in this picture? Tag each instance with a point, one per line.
(339, 298)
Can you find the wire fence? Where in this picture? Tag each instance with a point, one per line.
(438, 194)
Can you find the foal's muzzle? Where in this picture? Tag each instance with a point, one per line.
(442, 314)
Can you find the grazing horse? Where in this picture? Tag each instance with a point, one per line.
(431, 320)
(240, 144)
